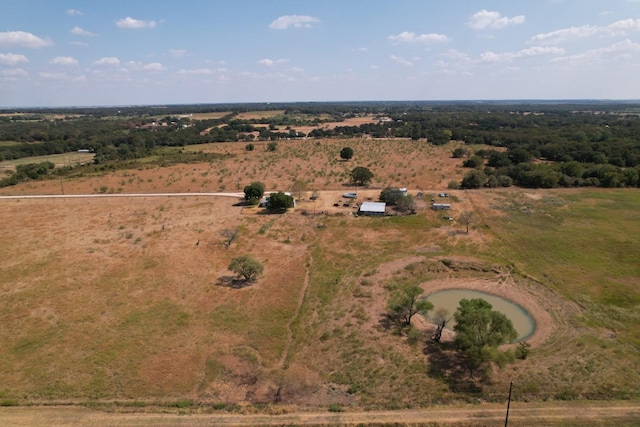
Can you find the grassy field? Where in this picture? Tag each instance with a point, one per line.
(126, 299)
(64, 159)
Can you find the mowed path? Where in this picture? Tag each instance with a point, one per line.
(530, 414)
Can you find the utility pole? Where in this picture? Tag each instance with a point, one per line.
(506, 420)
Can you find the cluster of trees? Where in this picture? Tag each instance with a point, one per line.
(26, 172)
(400, 199)
(492, 168)
(479, 330)
(537, 145)
(277, 202)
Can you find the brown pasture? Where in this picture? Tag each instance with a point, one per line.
(130, 299)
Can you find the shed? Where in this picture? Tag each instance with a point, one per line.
(441, 206)
(372, 208)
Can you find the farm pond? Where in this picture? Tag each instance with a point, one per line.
(449, 299)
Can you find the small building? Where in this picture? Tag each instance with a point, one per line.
(441, 206)
(372, 208)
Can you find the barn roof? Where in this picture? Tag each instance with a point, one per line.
(375, 207)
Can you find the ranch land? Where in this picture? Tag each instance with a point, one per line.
(123, 301)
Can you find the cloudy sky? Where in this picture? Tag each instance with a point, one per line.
(88, 52)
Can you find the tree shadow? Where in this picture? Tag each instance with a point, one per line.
(448, 364)
(233, 282)
(388, 321)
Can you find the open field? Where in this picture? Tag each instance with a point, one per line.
(60, 160)
(121, 300)
(209, 116)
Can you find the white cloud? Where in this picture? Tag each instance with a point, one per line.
(108, 60)
(129, 22)
(524, 53)
(621, 50)
(410, 37)
(74, 12)
(53, 76)
(154, 66)
(491, 19)
(64, 60)
(177, 53)
(79, 43)
(140, 66)
(401, 60)
(12, 59)
(197, 71)
(559, 36)
(22, 39)
(271, 62)
(295, 21)
(80, 32)
(15, 72)
(616, 29)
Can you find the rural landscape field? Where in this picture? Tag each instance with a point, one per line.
(123, 302)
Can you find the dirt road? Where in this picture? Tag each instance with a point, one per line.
(529, 414)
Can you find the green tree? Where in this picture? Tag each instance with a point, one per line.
(246, 267)
(272, 146)
(254, 192)
(473, 162)
(346, 153)
(279, 202)
(474, 179)
(391, 195)
(361, 175)
(459, 153)
(406, 302)
(480, 331)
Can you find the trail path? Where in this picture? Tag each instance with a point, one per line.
(536, 414)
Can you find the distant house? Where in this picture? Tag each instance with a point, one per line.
(441, 206)
(372, 208)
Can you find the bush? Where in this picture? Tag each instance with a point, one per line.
(459, 153)
(473, 162)
(522, 350)
(346, 153)
(334, 407)
(474, 179)
(249, 147)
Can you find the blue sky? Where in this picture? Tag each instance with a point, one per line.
(90, 52)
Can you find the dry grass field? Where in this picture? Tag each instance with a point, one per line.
(126, 299)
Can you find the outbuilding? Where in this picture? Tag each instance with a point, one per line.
(372, 208)
(441, 206)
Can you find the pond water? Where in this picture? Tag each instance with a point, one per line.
(450, 298)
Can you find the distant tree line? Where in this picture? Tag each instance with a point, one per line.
(535, 145)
